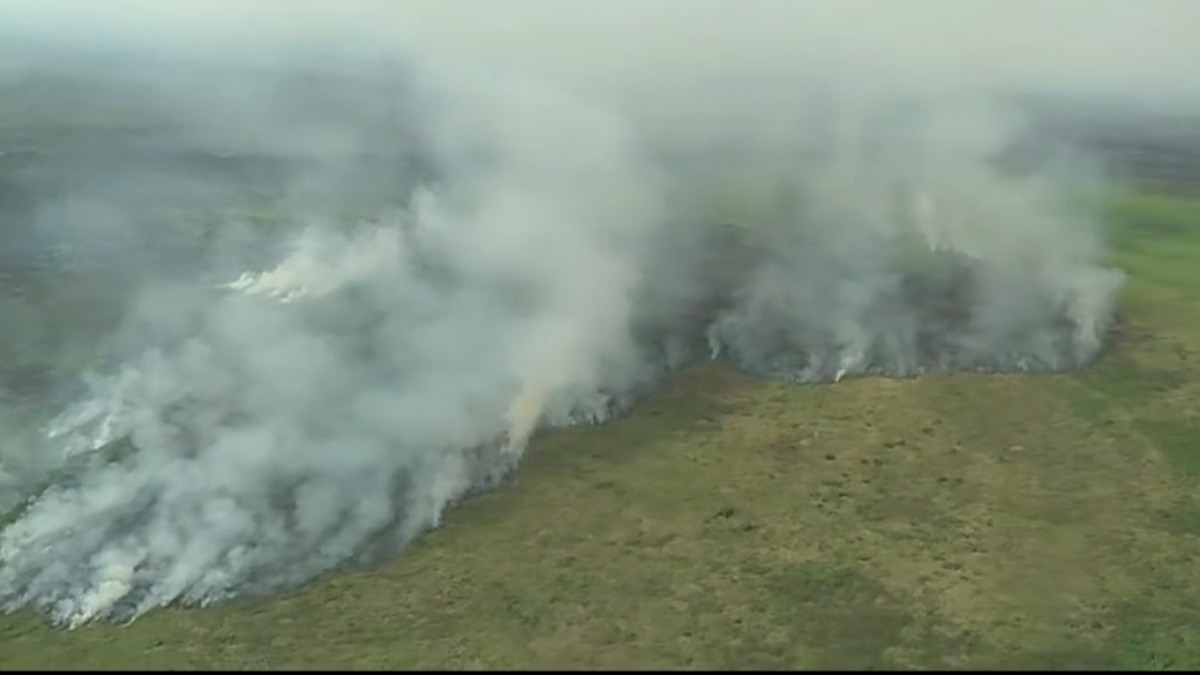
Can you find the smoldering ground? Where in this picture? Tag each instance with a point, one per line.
(343, 285)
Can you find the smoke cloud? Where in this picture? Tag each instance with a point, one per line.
(284, 283)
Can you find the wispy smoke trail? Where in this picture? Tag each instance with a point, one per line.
(344, 287)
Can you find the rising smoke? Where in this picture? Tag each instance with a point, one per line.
(352, 255)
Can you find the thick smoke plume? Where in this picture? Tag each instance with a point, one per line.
(294, 279)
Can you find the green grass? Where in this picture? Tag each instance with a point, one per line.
(951, 521)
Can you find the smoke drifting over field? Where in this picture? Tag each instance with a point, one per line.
(354, 254)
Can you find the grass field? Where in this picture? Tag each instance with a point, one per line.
(947, 521)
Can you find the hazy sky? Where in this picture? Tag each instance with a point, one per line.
(648, 43)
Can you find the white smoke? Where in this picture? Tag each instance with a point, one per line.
(334, 402)
(476, 232)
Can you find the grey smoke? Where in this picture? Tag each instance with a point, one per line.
(343, 285)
